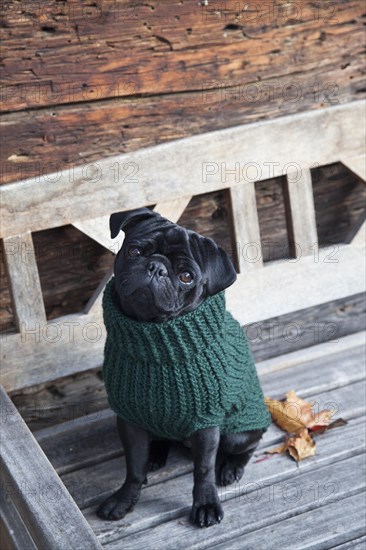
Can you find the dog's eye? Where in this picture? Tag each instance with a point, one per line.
(134, 251)
(186, 277)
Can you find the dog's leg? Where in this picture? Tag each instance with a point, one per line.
(206, 509)
(238, 448)
(136, 443)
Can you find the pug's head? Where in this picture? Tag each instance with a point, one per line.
(164, 270)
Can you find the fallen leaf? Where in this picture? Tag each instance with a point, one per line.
(304, 409)
(293, 414)
(301, 446)
(280, 449)
(321, 419)
(296, 417)
(287, 418)
(318, 430)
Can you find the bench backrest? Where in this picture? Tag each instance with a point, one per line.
(169, 175)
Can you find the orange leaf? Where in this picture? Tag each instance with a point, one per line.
(304, 409)
(301, 446)
(294, 414)
(287, 418)
(323, 418)
(280, 449)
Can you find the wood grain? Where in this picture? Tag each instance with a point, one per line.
(73, 396)
(339, 528)
(84, 195)
(46, 140)
(72, 53)
(78, 340)
(33, 485)
(303, 237)
(246, 232)
(24, 282)
(91, 439)
(98, 230)
(164, 507)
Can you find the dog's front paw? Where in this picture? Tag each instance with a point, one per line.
(119, 504)
(231, 471)
(206, 509)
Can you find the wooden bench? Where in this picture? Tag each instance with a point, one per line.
(37, 510)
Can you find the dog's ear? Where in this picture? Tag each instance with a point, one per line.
(215, 263)
(120, 220)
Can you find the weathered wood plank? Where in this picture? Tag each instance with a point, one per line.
(50, 515)
(263, 141)
(168, 47)
(328, 277)
(308, 329)
(261, 503)
(13, 533)
(71, 265)
(332, 373)
(323, 352)
(94, 304)
(173, 210)
(93, 438)
(23, 277)
(360, 237)
(98, 229)
(53, 139)
(322, 527)
(357, 165)
(77, 345)
(164, 508)
(303, 238)
(355, 544)
(245, 226)
(84, 350)
(92, 483)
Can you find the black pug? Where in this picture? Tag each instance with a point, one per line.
(177, 365)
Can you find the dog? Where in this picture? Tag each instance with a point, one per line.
(167, 279)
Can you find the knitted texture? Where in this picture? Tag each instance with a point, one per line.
(182, 375)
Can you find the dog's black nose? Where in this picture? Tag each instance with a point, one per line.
(157, 268)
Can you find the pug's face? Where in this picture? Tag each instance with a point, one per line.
(164, 270)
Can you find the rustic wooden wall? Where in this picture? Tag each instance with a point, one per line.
(85, 80)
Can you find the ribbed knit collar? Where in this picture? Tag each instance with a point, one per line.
(175, 340)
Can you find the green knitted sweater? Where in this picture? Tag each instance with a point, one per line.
(182, 375)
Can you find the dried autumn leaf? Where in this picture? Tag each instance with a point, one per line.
(285, 417)
(304, 409)
(301, 446)
(280, 449)
(323, 418)
(318, 430)
(294, 414)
